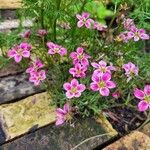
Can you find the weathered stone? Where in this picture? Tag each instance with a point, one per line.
(11, 69)
(84, 134)
(134, 141)
(10, 4)
(13, 24)
(16, 87)
(26, 115)
(146, 129)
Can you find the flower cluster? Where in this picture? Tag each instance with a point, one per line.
(131, 70)
(20, 51)
(102, 78)
(36, 75)
(132, 32)
(56, 49)
(85, 20)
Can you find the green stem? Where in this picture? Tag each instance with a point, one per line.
(58, 3)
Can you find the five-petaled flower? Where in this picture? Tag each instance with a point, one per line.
(102, 67)
(102, 83)
(56, 49)
(80, 57)
(84, 20)
(78, 71)
(144, 96)
(37, 77)
(137, 34)
(74, 89)
(130, 70)
(35, 66)
(63, 114)
(20, 51)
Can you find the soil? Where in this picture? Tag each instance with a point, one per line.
(125, 119)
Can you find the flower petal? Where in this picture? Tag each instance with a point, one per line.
(80, 24)
(67, 108)
(139, 94)
(73, 55)
(147, 89)
(26, 53)
(18, 58)
(59, 121)
(106, 76)
(80, 50)
(94, 86)
(81, 87)
(95, 77)
(110, 84)
(69, 95)
(74, 82)
(95, 65)
(104, 91)
(67, 86)
(143, 105)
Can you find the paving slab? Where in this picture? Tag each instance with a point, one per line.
(134, 141)
(17, 87)
(25, 115)
(146, 129)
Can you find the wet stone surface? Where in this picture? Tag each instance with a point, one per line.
(16, 87)
(64, 137)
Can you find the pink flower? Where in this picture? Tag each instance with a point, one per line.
(37, 64)
(130, 70)
(63, 114)
(102, 83)
(37, 77)
(78, 71)
(26, 34)
(128, 23)
(42, 32)
(137, 34)
(116, 94)
(122, 37)
(102, 67)
(80, 57)
(100, 27)
(74, 89)
(144, 96)
(20, 51)
(56, 49)
(84, 20)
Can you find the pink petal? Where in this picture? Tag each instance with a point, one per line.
(51, 51)
(67, 86)
(106, 76)
(94, 86)
(42, 74)
(69, 95)
(79, 16)
(59, 121)
(102, 63)
(144, 36)
(141, 31)
(130, 35)
(63, 51)
(73, 55)
(84, 62)
(50, 45)
(136, 38)
(81, 87)
(18, 58)
(88, 24)
(104, 91)
(80, 24)
(110, 84)
(11, 53)
(95, 65)
(74, 83)
(60, 112)
(26, 54)
(85, 15)
(95, 78)
(139, 94)
(36, 82)
(72, 71)
(67, 107)
(147, 89)
(78, 94)
(80, 50)
(143, 105)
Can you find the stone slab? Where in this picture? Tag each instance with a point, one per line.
(146, 129)
(83, 134)
(10, 4)
(134, 141)
(11, 69)
(26, 115)
(17, 87)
